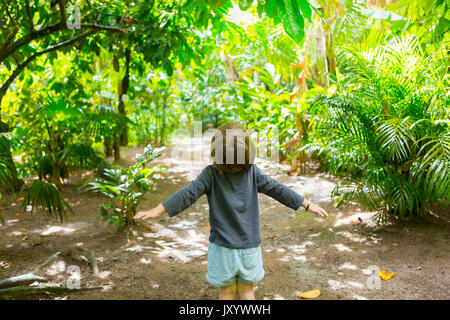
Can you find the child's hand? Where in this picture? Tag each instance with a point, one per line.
(318, 211)
(314, 208)
(153, 213)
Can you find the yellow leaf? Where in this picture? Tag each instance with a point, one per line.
(386, 276)
(311, 294)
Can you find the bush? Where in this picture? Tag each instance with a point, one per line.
(126, 188)
(385, 130)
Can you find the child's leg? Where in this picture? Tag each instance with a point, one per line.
(228, 292)
(245, 291)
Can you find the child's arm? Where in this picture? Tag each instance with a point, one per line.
(285, 195)
(182, 199)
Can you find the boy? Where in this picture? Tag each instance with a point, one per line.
(232, 184)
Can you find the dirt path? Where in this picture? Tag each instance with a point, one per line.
(166, 258)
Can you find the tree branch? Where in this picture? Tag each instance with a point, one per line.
(100, 27)
(30, 16)
(30, 37)
(22, 66)
(9, 38)
(62, 11)
(45, 31)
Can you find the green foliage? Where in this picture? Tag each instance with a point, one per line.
(45, 195)
(126, 188)
(385, 130)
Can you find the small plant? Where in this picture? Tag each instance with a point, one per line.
(45, 195)
(126, 188)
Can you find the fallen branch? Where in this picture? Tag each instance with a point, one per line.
(68, 251)
(23, 279)
(33, 276)
(25, 290)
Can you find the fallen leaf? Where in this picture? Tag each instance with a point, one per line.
(395, 244)
(419, 268)
(311, 294)
(18, 214)
(386, 276)
(9, 264)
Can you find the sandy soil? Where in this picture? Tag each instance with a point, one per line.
(166, 258)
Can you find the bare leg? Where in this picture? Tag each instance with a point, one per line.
(228, 292)
(245, 291)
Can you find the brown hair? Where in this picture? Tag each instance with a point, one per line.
(232, 149)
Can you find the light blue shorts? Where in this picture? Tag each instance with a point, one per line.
(226, 266)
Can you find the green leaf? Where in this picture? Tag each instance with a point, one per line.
(218, 3)
(292, 20)
(271, 8)
(244, 5)
(305, 8)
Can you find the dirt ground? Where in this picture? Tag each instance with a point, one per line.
(166, 258)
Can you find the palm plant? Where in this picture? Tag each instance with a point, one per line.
(385, 130)
(46, 196)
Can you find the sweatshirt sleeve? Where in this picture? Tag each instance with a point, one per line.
(278, 191)
(186, 196)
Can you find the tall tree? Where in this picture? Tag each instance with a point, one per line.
(23, 38)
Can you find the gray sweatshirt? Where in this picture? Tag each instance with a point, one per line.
(233, 203)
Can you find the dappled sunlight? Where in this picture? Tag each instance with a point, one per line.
(9, 223)
(145, 261)
(336, 285)
(322, 188)
(184, 224)
(342, 247)
(104, 274)
(183, 247)
(60, 230)
(295, 252)
(348, 266)
(161, 231)
(366, 218)
(358, 238)
(352, 236)
(56, 268)
(137, 248)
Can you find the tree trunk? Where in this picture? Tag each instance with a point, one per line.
(56, 176)
(107, 144)
(123, 89)
(331, 60)
(163, 124)
(12, 179)
(116, 148)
